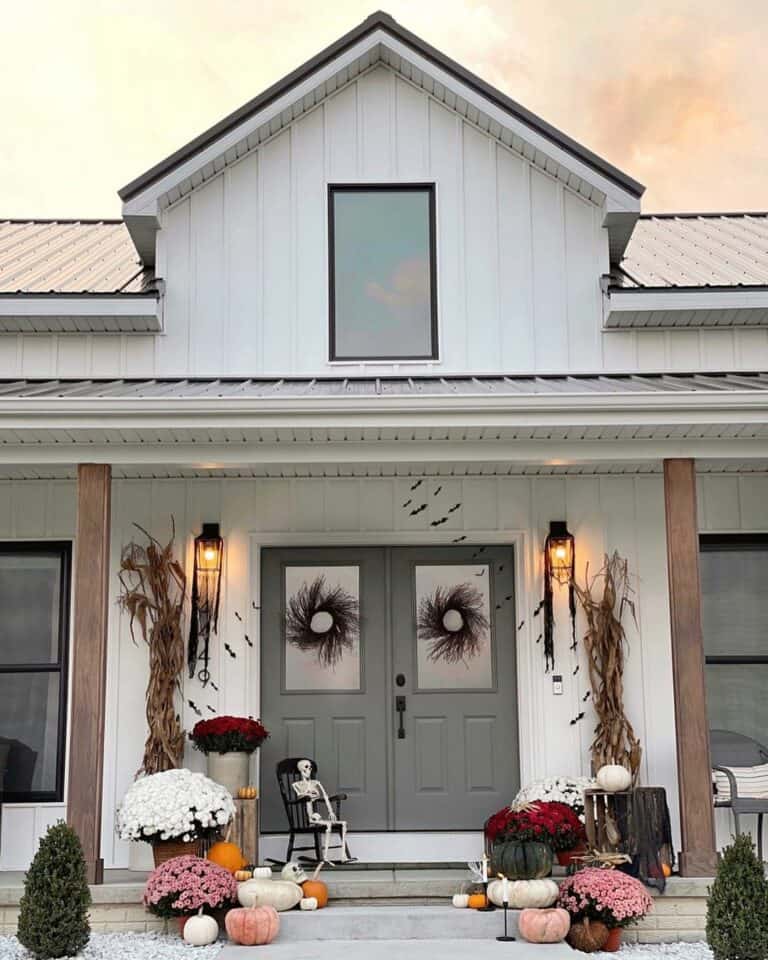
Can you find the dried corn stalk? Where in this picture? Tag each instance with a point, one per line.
(604, 599)
(153, 590)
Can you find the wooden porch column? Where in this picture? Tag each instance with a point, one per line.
(89, 662)
(697, 857)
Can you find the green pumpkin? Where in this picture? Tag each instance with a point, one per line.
(521, 859)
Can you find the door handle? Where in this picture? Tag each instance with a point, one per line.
(400, 707)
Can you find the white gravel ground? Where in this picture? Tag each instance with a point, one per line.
(152, 946)
(125, 946)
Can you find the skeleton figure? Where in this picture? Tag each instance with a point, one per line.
(313, 792)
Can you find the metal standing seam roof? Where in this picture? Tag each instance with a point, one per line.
(372, 387)
(698, 250)
(41, 257)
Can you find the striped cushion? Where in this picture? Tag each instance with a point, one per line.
(750, 782)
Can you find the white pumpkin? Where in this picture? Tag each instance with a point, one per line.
(612, 778)
(200, 930)
(280, 894)
(460, 900)
(524, 893)
(261, 873)
(308, 903)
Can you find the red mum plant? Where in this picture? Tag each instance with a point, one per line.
(546, 821)
(228, 735)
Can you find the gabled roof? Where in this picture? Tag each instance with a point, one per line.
(381, 21)
(39, 257)
(696, 250)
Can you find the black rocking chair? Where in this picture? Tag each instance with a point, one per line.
(296, 810)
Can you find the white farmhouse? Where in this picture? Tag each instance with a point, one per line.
(383, 326)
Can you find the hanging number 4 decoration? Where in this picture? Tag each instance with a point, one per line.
(206, 590)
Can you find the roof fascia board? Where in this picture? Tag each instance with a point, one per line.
(683, 407)
(62, 313)
(639, 300)
(213, 455)
(146, 202)
(79, 305)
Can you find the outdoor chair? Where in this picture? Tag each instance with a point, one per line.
(742, 784)
(299, 823)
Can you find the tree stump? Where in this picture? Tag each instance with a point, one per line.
(634, 822)
(245, 828)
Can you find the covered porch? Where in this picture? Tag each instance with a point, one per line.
(636, 472)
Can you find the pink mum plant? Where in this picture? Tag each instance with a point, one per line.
(181, 886)
(610, 896)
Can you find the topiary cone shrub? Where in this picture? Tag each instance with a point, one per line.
(53, 914)
(737, 908)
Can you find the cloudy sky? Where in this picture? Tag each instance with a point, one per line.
(92, 92)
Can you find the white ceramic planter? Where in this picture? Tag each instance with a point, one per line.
(229, 769)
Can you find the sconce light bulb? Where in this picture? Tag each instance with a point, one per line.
(560, 552)
(209, 554)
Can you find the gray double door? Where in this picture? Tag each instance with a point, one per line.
(414, 720)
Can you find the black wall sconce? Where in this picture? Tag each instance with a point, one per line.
(206, 591)
(559, 566)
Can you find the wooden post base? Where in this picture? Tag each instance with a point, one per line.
(698, 863)
(245, 828)
(94, 871)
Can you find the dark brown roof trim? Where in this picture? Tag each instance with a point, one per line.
(383, 21)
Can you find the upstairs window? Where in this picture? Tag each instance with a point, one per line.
(383, 291)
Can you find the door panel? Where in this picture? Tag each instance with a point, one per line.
(458, 761)
(341, 730)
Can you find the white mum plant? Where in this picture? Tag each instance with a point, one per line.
(568, 790)
(174, 805)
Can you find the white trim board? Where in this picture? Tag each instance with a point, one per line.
(60, 313)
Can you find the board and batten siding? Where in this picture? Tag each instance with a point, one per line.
(244, 259)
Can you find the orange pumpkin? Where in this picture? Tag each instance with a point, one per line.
(544, 926)
(252, 926)
(242, 875)
(247, 793)
(477, 901)
(227, 855)
(666, 869)
(318, 890)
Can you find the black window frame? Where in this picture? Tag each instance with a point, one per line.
(734, 541)
(430, 189)
(61, 666)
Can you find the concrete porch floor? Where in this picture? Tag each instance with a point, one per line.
(401, 949)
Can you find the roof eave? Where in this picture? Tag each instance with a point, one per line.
(384, 22)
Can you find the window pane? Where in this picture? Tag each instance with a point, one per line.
(734, 602)
(382, 287)
(29, 601)
(736, 699)
(29, 731)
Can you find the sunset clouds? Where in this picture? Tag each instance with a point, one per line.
(92, 92)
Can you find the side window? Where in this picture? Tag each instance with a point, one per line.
(734, 609)
(382, 272)
(34, 630)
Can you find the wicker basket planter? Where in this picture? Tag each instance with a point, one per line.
(164, 850)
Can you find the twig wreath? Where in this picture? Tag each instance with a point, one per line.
(322, 619)
(452, 622)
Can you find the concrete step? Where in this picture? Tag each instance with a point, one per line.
(394, 923)
(416, 886)
(398, 950)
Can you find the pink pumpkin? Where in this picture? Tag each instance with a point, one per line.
(544, 926)
(252, 926)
